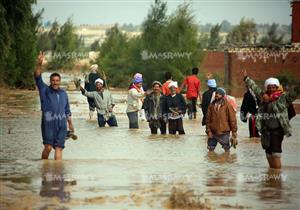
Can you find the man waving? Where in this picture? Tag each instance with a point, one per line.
(56, 113)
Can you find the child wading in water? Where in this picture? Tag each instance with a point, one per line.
(272, 119)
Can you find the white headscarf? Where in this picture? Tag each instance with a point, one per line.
(99, 80)
(272, 81)
(173, 83)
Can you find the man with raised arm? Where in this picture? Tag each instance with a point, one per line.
(56, 114)
(272, 115)
(104, 104)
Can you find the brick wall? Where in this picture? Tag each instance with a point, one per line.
(258, 67)
(213, 61)
(260, 64)
(261, 67)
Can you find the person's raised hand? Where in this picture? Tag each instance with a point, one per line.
(40, 58)
(208, 76)
(244, 72)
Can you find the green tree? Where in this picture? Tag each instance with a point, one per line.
(215, 38)
(52, 35)
(66, 47)
(167, 43)
(113, 58)
(180, 36)
(47, 39)
(273, 36)
(18, 42)
(243, 34)
(5, 39)
(44, 43)
(154, 24)
(203, 42)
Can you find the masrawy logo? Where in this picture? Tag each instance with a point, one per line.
(164, 55)
(53, 177)
(50, 116)
(262, 177)
(262, 55)
(70, 55)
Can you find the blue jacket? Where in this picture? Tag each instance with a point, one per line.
(53, 101)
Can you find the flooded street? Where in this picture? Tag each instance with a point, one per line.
(116, 168)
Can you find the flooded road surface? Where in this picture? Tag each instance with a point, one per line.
(115, 168)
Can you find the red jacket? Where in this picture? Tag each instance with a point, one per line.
(193, 86)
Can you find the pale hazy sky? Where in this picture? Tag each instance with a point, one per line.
(135, 11)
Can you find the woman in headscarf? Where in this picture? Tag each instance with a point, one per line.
(134, 101)
(249, 110)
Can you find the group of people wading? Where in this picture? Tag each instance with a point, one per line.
(163, 106)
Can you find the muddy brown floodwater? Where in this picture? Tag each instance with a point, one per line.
(115, 168)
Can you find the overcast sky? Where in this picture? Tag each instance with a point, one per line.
(135, 11)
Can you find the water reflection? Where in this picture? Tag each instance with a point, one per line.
(54, 181)
(225, 157)
(221, 182)
(271, 183)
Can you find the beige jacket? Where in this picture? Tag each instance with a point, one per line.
(134, 100)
